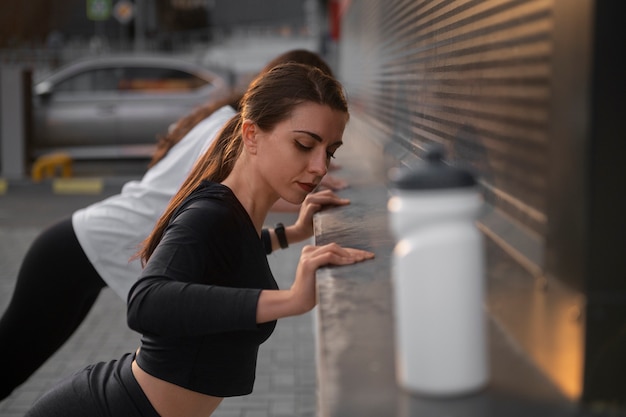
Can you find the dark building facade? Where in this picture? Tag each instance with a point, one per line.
(528, 94)
(28, 24)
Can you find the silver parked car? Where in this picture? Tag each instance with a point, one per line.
(115, 106)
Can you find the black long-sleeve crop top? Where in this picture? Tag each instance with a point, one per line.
(195, 302)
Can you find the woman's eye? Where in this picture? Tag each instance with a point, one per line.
(332, 151)
(303, 147)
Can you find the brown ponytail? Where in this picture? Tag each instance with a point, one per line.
(214, 165)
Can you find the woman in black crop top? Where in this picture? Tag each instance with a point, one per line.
(206, 298)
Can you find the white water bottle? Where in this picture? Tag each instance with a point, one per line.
(438, 279)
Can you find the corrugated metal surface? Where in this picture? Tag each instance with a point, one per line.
(527, 93)
(474, 75)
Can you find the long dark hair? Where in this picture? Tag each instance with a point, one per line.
(270, 99)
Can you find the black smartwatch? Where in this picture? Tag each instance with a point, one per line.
(279, 229)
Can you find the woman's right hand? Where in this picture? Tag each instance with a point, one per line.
(315, 257)
(301, 297)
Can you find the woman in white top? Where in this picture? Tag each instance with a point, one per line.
(69, 263)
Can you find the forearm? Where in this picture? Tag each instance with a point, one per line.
(277, 304)
(292, 233)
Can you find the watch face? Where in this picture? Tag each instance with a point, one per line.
(279, 229)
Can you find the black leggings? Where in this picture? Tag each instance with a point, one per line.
(106, 389)
(56, 287)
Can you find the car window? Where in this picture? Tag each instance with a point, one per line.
(151, 79)
(101, 79)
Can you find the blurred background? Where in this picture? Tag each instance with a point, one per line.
(47, 33)
(527, 93)
(103, 78)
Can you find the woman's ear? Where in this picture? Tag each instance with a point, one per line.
(249, 131)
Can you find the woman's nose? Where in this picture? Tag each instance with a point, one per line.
(319, 163)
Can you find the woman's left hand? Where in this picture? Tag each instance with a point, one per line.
(314, 202)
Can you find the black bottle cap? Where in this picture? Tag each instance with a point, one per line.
(431, 174)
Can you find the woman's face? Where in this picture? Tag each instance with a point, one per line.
(294, 156)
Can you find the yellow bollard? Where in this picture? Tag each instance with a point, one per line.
(47, 165)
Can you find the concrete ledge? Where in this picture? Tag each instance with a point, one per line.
(355, 334)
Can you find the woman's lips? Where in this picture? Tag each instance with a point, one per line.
(308, 187)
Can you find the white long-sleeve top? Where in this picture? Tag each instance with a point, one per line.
(111, 230)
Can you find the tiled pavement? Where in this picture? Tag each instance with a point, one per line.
(286, 380)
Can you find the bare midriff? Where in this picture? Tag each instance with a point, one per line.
(170, 400)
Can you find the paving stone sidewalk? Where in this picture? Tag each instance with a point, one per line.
(286, 379)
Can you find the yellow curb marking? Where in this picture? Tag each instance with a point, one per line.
(77, 185)
(3, 186)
